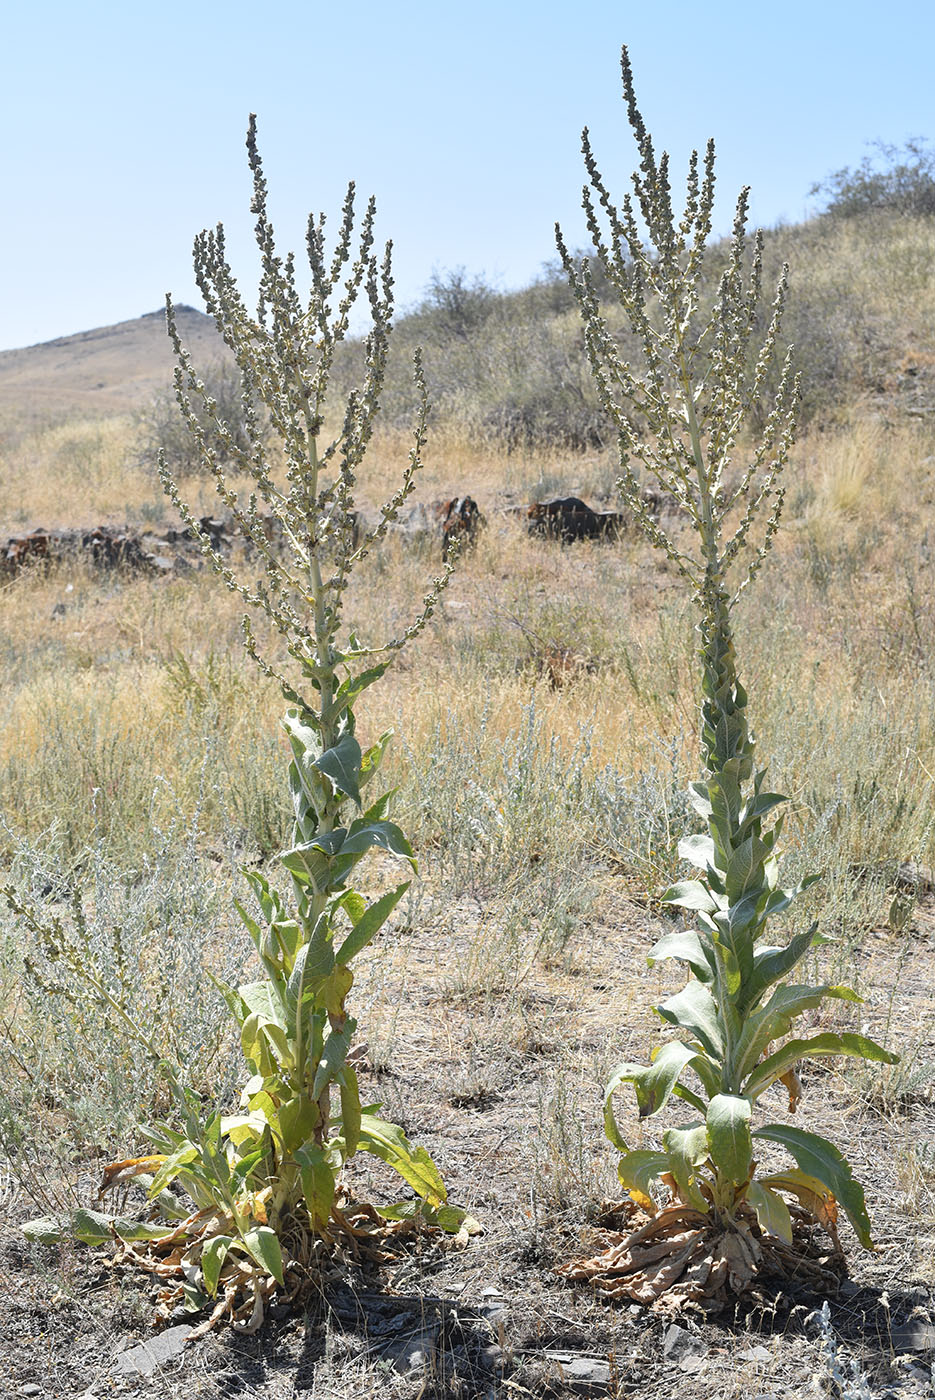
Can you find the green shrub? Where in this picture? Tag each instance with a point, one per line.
(900, 179)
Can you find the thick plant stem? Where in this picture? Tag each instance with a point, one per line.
(725, 740)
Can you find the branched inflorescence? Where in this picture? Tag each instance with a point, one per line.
(680, 414)
(285, 356)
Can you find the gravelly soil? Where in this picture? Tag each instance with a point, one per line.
(504, 1089)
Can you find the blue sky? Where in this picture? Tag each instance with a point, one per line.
(125, 125)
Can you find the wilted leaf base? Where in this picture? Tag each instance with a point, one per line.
(360, 1237)
(680, 1256)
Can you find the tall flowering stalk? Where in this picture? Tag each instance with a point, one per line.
(683, 415)
(264, 1183)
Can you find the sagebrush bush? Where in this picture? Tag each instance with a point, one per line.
(163, 433)
(899, 179)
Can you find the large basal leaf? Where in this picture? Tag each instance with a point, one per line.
(728, 1124)
(638, 1170)
(389, 1142)
(262, 1244)
(809, 1192)
(213, 1254)
(687, 1149)
(350, 1109)
(94, 1228)
(772, 1213)
(821, 1159)
(298, 1117)
(827, 1043)
(318, 1184)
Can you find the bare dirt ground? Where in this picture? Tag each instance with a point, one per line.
(504, 1088)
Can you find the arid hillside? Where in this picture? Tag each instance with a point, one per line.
(99, 372)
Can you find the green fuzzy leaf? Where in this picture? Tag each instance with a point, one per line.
(728, 1124)
(373, 758)
(858, 1046)
(262, 1244)
(379, 809)
(690, 894)
(687, 1149)
(698, 849)
(724, 795)
(653, 1083)
(245, 1167)
(235, 1002)
(267, 899)
(686, 947)
(298, 1118)
(48, 1229)
(350, 1109)
(333, 1056)
(341, 765)
(369, 924)
(314, 962)
(249, 923)
(699, 799)
(759, 806)
(213, 1255)
(745, 870)
(388, 1142)
(349, 690)
(318, 1184)
(771, 964)
(310, 861)
(363, 835)
(183, 1157)
(264, 999)
(694, 1010)
(776, 1017)
(772, 1213)
(94, 1228)
(820, 1158)
(638, 1170)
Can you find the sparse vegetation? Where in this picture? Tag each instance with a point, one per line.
(140, 757)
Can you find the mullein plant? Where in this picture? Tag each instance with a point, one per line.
(265, 1202)
(715, 1216)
